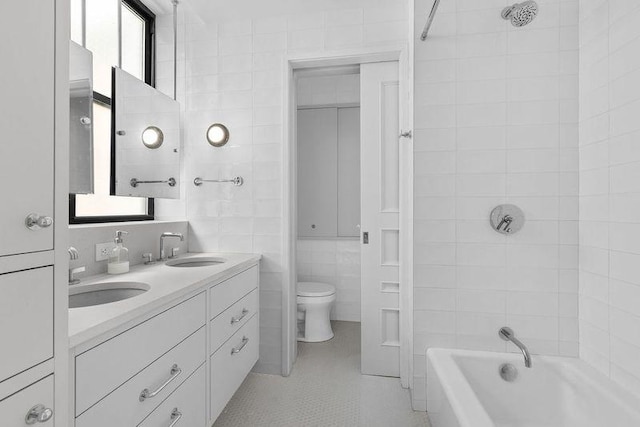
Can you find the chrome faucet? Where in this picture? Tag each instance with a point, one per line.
(74, 255)
(507, 334)
(163, 257)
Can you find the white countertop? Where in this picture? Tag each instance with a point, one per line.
(167, 284)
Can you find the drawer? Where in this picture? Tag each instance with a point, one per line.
(124, 407)
(228, 292)
(232, 319)
(105, 367)
(231, 364)
(15, 408)
(26, 320)
(186, 407)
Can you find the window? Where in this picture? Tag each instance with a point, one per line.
(95, 24)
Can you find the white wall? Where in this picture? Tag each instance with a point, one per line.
(336, 262)
(610, 188)
(495, 121)
(328, 90)
(234, 74)
(143, 237)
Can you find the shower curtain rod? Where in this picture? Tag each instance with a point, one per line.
(427, 27)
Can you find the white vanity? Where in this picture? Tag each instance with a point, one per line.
(172, 355)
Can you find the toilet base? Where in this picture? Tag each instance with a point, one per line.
(302, 339)
(314, 321)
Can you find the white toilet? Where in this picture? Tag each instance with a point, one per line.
(314, 309)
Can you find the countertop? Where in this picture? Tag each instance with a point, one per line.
(166, 285)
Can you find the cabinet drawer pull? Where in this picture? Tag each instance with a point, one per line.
(38, 414)
(239, 318)
(145, 394)
(239, 348)
(36, 222)
(175, 417)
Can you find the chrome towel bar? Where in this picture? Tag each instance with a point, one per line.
(135, 182)
(238, 180)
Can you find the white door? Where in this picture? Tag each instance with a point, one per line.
(26, 144)
(380, 207)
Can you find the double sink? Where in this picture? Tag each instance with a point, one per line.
(108, 292)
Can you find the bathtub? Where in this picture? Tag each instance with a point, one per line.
(465, 389)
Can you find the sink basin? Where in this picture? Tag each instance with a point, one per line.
(104, 293)
(196, 262)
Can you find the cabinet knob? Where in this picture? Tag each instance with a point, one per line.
(38, 414)
(85, 120)
(36, 222)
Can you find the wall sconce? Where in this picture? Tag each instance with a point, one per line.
(217, 135)
(152, 137)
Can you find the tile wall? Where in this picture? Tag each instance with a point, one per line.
(143, 237)
(233, 73)
(336, 262)
(610, 188)
(496, 113)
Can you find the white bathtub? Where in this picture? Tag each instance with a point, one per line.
(464, 389)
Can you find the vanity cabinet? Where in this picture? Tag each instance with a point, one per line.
(186, 407)
(33, 171)
(231, 363)
(234, 332)
(179, 366)
(27, 82)
(102, 369)
(16, 408)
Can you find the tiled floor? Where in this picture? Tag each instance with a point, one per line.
(325, 389)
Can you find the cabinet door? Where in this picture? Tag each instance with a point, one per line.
(317, 172)
(26, 320)
(27, 138)
(14, 409)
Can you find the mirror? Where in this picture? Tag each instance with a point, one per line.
(80, 120)
(146, 138)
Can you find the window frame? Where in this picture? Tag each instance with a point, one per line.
(150, 78)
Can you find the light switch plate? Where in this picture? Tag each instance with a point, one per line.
(103, 250)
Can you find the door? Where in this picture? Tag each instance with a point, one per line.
(26, 313)
(26, 145)
(380, 207)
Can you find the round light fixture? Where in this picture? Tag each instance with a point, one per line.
(217, 135)
(152, 137)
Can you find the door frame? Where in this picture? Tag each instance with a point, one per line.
(398, 53)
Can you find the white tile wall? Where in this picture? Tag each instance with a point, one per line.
(337, 262)
(496, 112)
(143, 237)
(328, 90)
(233, 73)
(609, 190)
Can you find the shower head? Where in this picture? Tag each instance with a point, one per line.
(521, 14)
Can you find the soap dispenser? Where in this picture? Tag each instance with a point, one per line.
(119, 256)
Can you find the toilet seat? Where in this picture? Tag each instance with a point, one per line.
(315, 289)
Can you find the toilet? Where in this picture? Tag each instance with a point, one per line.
(314, 309)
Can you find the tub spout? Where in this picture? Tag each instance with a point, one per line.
(507, 334)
